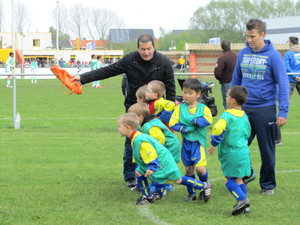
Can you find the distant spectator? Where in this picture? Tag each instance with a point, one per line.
(61, 63)
(292, 64)
(181, 62)
(224, 68)
(51, 62)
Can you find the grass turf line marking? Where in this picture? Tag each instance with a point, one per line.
(145, 211)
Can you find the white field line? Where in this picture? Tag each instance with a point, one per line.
(146, 212)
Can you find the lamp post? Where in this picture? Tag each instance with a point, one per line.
(172, 48)
(57, 31)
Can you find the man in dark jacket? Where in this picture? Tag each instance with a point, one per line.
(141, 67)
(224, 68)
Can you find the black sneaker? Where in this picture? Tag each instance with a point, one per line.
(130, 182)
(205, 193)
(143, 200)
(240, 207)
(190, 197)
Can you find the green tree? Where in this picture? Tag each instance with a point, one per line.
(61, 35)
(166, 41)
(226, 18)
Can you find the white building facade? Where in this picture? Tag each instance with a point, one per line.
(39, 45)
(280, 29)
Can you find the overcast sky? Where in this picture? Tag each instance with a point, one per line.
(168, 14)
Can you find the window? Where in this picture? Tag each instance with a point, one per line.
(36, 42)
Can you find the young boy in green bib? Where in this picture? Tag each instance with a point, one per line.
(154, 161)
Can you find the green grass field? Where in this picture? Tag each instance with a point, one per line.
(64, 166)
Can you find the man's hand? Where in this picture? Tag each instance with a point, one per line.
(297, 79)
(76, 78)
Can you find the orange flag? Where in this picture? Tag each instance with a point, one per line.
(65, 78)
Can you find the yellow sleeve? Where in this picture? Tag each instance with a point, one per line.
(157, 133)
(219, 127)
(163, 104)
(168, 105)
(147, 152)
(175, 116)
(207, 114)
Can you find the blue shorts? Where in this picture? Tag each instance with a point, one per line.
(193, 154)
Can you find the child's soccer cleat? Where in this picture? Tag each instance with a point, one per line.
(143, 200)
(135, 188)
(240, 207)
(158, 197)
(205, 194)
(201, 194)
(246, 210)
(247, 180)
(190, 197)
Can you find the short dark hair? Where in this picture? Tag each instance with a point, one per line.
(192, 83)
(257, 24)
(145, 38)
(225, 44)
(239, 93)
(11, 53)
(93, 56)
(294, 40)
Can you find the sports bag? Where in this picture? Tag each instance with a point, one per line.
(65, 78)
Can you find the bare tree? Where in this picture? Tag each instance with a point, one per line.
(102, 20)
(78, 19)
(22, 17)
(2, 16)
(89, 25)
(63, 18)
